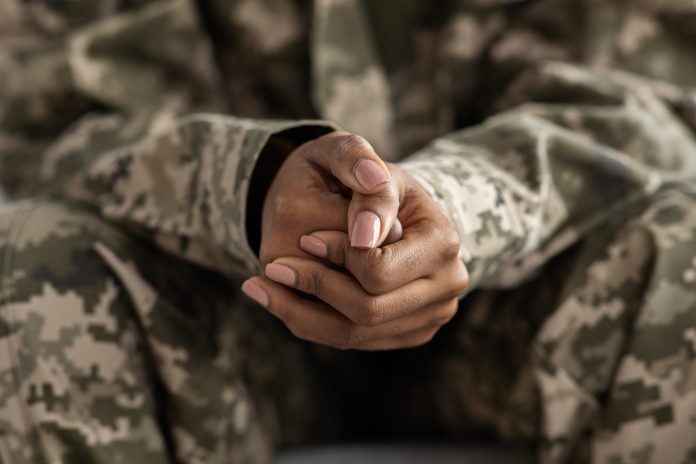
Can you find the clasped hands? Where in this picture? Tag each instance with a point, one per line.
(338, 269)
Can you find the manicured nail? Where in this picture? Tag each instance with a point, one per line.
(366, 230)
(255, 292)
(314, 246)
(281, 274)
(370, 174)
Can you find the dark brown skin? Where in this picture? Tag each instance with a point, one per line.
(392, 296)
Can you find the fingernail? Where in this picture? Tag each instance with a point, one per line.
(370, 174)
(314, 246)
(281, 274)
(255, 292)
(365, 230)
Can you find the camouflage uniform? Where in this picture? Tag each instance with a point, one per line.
(568, 180)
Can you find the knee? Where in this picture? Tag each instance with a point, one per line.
(50, 245)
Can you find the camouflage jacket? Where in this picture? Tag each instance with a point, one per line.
(531, 122)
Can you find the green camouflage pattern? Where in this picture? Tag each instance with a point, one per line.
(559, 136)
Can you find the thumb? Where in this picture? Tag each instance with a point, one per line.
(372, 218)
(375, 199)
(350, 159)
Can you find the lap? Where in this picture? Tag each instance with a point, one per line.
(69, 372)
(624, 336)
(114, 351)
(111, 346)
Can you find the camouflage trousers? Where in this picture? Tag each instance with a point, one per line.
(112, 351)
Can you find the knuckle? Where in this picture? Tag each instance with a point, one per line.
(393, 193)
(313, 282)
(295, 331)
(446, 313)
(337, 254)
(456, 280)
(426, 338)
(375, 284)
(388, 197)
(374, 274)
(420, 339)
(461, 279)
(349, 143)
(450, 244)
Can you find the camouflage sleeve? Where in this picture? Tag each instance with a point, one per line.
(187, 187)
(529, 182)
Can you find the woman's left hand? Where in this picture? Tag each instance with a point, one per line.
(395, 296)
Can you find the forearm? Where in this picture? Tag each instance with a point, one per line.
(530, 182)
(187, 188)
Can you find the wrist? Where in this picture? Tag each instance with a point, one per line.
(275, 152)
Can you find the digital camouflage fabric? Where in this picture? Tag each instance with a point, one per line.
(557, 135)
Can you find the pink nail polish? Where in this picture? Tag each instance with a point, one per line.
(366, 230)
(281, 274)
(255, 292)
(314, 246)
(370, 174)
